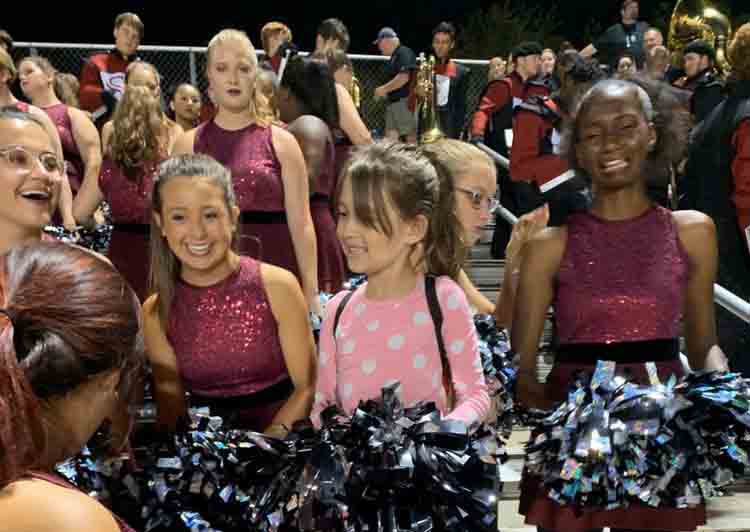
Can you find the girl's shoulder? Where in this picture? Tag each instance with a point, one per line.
(450, 292)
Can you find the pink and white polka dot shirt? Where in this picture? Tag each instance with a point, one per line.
(379, 342)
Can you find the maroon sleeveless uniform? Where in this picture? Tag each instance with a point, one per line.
(59, 481)
(331, 269)
(130, 202)
(228, 350)
(621, 286)
(75, 167)
(256, 174)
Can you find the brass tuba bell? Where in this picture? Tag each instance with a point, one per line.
(696, 19)
(428, 122)
(355, 89)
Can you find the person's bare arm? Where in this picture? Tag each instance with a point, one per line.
(541, 257)
(473, 295)
(89, 146)
(297, 205)
(588, 51)
(311, 134)
(168, 389)
(290, 310)
(697, 234)
(349, 120)
(107, 130)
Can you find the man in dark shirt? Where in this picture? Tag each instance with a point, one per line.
(700, 79)
(626, 35)
(399, 120)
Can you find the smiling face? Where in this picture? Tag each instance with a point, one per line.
(231, 75)
(28, 192)
(613, 137)
(548, 62)
(369, 250)
(479, 177)
(198, 227)
(34, 81)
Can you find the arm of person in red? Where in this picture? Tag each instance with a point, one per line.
(90, 92)
(495, 97)
(741, 174)
(527, 162)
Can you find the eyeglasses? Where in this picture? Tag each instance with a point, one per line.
(22, 160)
(478, 199)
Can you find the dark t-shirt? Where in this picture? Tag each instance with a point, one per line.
(617, 39)
(402, 60)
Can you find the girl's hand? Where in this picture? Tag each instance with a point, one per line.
(527, 226)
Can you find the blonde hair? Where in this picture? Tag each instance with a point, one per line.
(260, 108)
(143, 64)
(140, 130)
(272, 29)
(61, 85)
(6, 62)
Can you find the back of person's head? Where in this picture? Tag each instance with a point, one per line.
(657, 60)
(165, 266)
(67, 87)
(139, 130)
(338, 59)
(738, 53)
(333, 28)
(267, 83)
(6, 41)
(390, 173)
(133, 20)
(67, 317)
(6, 63)
(313, 85)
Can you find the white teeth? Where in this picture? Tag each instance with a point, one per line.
(198, 249)
(35, 194)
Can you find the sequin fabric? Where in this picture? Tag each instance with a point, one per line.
(250, 155)
(225, 336)
(129, 199)
(621, 281)
(75, 167)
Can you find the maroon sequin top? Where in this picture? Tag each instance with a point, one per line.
(621, 281)
(250, 156)
(60, 117)
(225, 336)
(130, 199)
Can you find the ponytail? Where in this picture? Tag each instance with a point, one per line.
(21, 433)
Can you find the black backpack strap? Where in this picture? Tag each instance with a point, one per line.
(436, 312)
(340, 310)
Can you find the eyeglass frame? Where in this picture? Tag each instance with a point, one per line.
(60, 170)
(477, 198)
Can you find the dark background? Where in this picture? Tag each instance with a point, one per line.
(193, 23)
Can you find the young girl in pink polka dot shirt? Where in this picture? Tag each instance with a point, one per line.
(393, 225)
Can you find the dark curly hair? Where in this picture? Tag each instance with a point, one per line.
(660, 105)
(313, 85)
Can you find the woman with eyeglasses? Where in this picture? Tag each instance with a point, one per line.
(30, 176)
(8, 74)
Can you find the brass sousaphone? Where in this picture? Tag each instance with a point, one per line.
(428, 122)
(696, 19)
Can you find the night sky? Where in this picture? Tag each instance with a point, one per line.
(188, 25)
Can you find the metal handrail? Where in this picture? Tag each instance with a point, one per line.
(722, 297)
(201, 50)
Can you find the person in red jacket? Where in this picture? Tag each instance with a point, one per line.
(535, 160)
(103, 74)
(492, 122)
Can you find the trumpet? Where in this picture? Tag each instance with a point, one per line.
(428, 122)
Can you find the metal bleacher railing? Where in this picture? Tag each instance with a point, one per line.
(180, 64)
(722, 297)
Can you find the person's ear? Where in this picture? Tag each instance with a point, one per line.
(417, 229)
(652, 137)
(157, 220)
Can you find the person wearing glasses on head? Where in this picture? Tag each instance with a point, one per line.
(30, 177)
